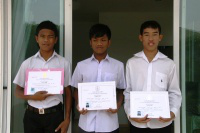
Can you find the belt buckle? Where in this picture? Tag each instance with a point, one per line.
(41, 111)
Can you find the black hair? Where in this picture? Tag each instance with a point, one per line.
(99, 30)
(47, 25)
(150, 24)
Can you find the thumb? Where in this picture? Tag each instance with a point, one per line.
(58, 128)
(43, 92)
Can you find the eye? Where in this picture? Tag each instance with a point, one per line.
(42, 36)
(51, 37)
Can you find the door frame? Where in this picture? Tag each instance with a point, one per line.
(176, 50)
(68, 52)
(1, 64)
(68, 40)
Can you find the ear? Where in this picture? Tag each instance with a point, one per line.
(109, 43)
(90, 43)
(160, 37)
(36, 38)
(56, 39)
(140, 37)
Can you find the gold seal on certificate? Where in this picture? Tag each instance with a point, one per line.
(97, 95)
(153, 103)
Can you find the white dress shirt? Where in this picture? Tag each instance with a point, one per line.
(37, 61)
(157, 75)
(90, 70)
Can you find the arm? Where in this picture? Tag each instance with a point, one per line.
(40, 95)
(127, 91)
(68, 104)
(174, 95)
(120, 99)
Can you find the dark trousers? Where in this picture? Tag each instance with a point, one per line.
(42, 123)
(167, 129)
(82, 131)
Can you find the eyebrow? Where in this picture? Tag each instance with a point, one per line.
(148, 32)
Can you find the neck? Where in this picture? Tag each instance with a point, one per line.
(100, 57)
(46, 55)
(150, 54)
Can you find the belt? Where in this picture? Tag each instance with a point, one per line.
(46, 110)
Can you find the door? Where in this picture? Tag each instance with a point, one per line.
(23, 19)
(190, 62)
(124, 19)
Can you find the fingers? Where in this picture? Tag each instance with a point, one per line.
(42, 92)
(141, 120)
(83, 111)
(47, 95)
(58, 128)
(112, 110)
(161, 119)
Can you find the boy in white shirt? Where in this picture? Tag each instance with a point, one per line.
(44, 113)
(150, 70)
(99, 68)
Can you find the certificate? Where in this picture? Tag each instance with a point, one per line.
(50, 80)
(97, 95)
(154, 103)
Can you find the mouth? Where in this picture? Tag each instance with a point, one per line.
(151, 43)
(45, 44)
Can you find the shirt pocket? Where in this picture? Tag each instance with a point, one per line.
(110, 77)
(161, 80)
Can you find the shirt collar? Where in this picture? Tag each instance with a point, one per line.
(107, 58)
(39, 55)
(158, 55)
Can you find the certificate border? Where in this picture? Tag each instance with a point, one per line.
(148, 92)
(94, 84)
(43, 70)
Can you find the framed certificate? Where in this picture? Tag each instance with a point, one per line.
(97, 95)
(50, 80)
(153, 103)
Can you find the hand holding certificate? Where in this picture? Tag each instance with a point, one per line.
(154, 104)
(50, 80)
(97, 95)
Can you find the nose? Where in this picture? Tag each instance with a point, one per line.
(99, 42)
(150, 38)
(46, 39)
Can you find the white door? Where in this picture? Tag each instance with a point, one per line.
(18, 22)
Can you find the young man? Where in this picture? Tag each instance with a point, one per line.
(53, 118)
(150, 70)
(99, 68)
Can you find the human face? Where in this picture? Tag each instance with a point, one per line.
(100, 45)
(150, 39)
(46, 40)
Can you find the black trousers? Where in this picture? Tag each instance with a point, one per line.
(167, 129)
(42, 123)
(82, 131)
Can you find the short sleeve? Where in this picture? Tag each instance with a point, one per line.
(121, 83)
(20, 77)
(76, 77)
